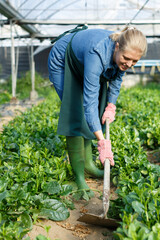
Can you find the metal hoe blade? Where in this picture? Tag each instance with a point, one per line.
(99, 220)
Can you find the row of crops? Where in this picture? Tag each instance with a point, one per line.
(35, 175)
(137, 128)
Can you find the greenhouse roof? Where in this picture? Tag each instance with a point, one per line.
(45, 19)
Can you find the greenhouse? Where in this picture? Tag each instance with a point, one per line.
(79, 120)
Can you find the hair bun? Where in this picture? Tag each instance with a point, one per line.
(130, 28)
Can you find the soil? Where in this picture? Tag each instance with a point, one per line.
(14, 108)
(71, 228)
(154, 156)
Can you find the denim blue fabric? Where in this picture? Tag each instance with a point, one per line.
(94, 49)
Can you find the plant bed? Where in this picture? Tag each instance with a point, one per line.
(36, 175)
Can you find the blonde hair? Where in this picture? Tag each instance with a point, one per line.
(130, 38)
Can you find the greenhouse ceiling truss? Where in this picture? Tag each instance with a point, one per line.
(13, 17)
(29, 24)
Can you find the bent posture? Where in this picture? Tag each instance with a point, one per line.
(86, 69)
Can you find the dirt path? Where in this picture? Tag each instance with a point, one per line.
(71, 229)
(154, 156)
(14, 108)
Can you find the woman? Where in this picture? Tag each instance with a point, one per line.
(86, 69)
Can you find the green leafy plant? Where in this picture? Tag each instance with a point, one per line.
(24, 87)
(36, 175)
(5, 97)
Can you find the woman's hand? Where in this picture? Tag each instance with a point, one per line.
(104, 148)
(109, 113)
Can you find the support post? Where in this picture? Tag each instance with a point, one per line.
(13, 66)
(33, 93)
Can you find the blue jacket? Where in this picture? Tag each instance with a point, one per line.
(94, 49)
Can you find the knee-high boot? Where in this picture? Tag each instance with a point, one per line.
(75, 147)
(90, 166)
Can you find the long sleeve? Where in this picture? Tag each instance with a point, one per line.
(92, 71)
(114, 88)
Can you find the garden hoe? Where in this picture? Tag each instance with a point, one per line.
(102, 219)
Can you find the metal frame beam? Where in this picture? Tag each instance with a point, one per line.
(88, 22)
(42, 37)
(8, 11)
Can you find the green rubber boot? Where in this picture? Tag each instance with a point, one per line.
(90, 166)
(75, 147)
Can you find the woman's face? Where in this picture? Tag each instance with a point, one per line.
(126, 59)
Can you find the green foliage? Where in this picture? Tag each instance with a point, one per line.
(139, 109)
(24, 87)
(24, 82)
(5, 97)
(138, 186)
(34, 171)
(35, 174)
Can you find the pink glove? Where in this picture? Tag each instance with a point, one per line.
(110, 112)
(104, 148)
